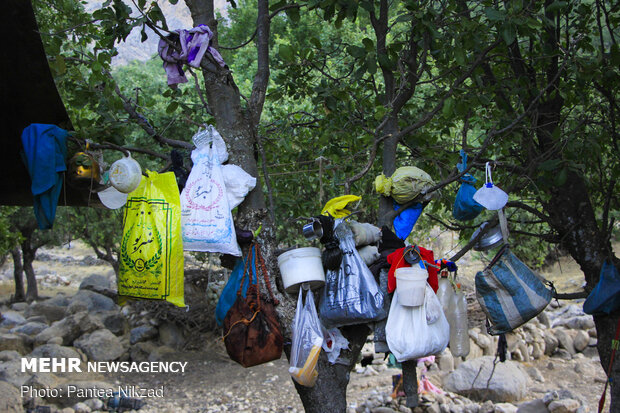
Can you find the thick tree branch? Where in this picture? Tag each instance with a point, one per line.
(261, 79)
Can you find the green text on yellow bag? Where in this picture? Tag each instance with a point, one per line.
(151, 255)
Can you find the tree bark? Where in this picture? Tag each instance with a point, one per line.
(18, 274)
(28, 254)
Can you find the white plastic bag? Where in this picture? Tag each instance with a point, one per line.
(238, 183)
(333, 343)
(307, 341)
(206, 220)
(409, 335)
(369, 253)
(365, 233)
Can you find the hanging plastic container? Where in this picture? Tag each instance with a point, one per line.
(411, 284)
(490, 196)
(445, 294)
(125, 174)
(301, 265)
(459, 329)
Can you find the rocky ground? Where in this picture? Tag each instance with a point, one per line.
(553, 362)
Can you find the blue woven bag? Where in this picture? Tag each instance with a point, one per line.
(510, 293)
(229, 293)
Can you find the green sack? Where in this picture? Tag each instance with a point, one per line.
(406, 183)
(151, 255)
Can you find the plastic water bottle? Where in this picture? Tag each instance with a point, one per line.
(445, 293)
(459, 329)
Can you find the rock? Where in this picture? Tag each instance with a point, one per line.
(11, 401)
(19, 306)
(96, 281)
(550, 396)
(11, 319)
(487, 407)
(563, 354)
(52, 309)
(505, 408)
(94, 301)
(383, 410)
(9, 355)
(535, 374)
(566, 341)
(544, 319)
(474, 350)
(20, 343)
(76, 307)
(115, 322)
(583, 322)
(42, 381)
(30, 328)
(100, 345)
(581, 340)
(94, 404)
(81, 408)
(69, 328)
(55, 340)
(54, 351)
(446, 361)
(82, 388)
(534, 406)
(509, 381)
(142, 333)
(538, 350)
(433, 408)
(551, 344)
(171, 335)
(564, 406)
(485, 342)
(141, 351)
(11, 372)
(160, 353)
(37, 319)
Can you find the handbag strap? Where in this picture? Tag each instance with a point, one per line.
(245, 269)
(265, 274)
(614, 347)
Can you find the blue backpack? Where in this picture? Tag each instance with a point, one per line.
(605, 297)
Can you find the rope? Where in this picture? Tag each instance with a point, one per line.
(243, 321)
(614, 346)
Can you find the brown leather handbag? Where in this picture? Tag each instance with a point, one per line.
(253, 334)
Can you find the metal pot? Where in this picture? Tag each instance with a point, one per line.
(493, 238)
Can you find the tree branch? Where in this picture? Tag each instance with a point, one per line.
(261, 79)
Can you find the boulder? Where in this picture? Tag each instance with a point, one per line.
(96, 281)
(141, 351)
(19, 306)
(551, 344)
(30, 328)
(9, 355)
(100, 345)
(69, 328)
(115, 322)
(94, 301)
(505, 408)
(11, 401)
(42, 381)
(564, 406)
(142, 333)
(445, 361)
(474, 350)
(52, 309)
(54, 351)
(535, 374)
(533, 406)
(81, 408)
(508, 383)
(164, 353)
(565, 340)
(11, 372)
(17, 342)
(171, 335)
(581, 322)
(83, 390)
(11, 319)
(581, 340)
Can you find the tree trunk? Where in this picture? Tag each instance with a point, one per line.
(329, 392)
(606, 331)
(28, 254)
(18, 275)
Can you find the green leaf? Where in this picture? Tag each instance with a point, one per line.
(293, 14)
(286, 52)
(560, 179)
(173, 1)
(172, 106)
(448, 107)
(61, 68)
(369, 45)
(550, 165)
(371, 63)
(316, 42)
(459, 55)
(385, 62)
(556, 5)
(494, 15)
(141, 4)
(509, 33)
(357, 52)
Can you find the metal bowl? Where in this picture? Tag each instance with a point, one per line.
(493, 238)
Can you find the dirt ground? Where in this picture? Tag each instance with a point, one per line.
(213, 383)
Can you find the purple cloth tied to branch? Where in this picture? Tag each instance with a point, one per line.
(194, 44)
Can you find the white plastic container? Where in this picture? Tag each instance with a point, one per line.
(125, 174)
(459, 331)
(299, 266)
(411, 285)
(445, 292)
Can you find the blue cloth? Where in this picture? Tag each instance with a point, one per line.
(229, 293)
(465, 207)
(605, 297)
(45, 150)
(404, 222)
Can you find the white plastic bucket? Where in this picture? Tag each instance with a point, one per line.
(411, 285)
(301, 265)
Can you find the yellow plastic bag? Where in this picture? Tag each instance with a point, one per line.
(406, 183)
(336, 206)
(151, 255)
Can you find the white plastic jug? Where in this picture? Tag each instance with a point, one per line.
(301, 265)
(411, 284)
(125, 174)
(459, 329)
(445, 292)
